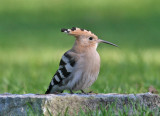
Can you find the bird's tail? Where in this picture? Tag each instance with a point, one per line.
(49, 89)
(55, 81)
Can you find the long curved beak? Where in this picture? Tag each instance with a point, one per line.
(107, 42)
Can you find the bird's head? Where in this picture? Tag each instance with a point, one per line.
(85, 37)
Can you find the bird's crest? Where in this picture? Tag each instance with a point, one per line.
(75, 31)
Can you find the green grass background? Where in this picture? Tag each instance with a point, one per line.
(31, 43)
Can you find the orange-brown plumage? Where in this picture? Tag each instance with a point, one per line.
(78, 32)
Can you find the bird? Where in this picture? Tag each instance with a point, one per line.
(79, 67)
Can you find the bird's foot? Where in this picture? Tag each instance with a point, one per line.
(56, 92)
(83, 92)
(71, 92)
(91, 92)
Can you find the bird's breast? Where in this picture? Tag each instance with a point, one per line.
(85, 71)
(90, 63)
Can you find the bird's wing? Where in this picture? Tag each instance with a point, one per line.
(66, 66)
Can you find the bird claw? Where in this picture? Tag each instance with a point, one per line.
(91, 92)
(71, 92)
(83, 92)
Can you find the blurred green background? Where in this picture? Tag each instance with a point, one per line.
(31, 43)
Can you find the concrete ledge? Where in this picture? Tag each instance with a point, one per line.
(13, 104)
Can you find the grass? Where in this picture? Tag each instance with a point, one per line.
(110, 109)
(31, 43)
(122, 71)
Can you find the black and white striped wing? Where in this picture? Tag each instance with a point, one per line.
(66, 66)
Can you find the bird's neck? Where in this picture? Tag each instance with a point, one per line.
(81, 48)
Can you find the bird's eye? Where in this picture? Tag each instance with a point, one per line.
(90, 38)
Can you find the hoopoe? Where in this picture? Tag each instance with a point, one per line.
(79, 67)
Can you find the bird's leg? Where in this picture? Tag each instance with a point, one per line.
(56, 92)
(71, 92)
(83, 92)
(90, 92)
